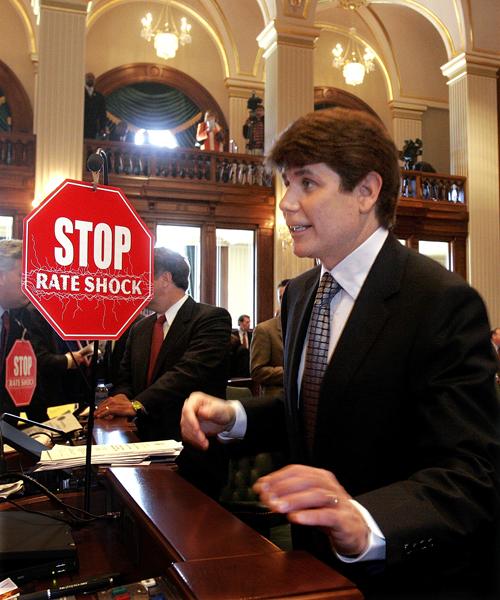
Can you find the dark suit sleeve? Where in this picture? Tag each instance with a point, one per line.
(49, 359)
(203, 363)
(451, 498)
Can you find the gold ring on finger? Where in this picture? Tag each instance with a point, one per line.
(332, 499)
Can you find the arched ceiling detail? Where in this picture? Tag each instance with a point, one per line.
(101, 8)
(446, 18)
(345, 32)
(27, 22)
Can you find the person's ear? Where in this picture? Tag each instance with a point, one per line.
(165, 279)
(368, 190)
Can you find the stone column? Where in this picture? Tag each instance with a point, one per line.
(406, 121)
(289, 93)
(474, 153)
(59, 96)
(240, 91)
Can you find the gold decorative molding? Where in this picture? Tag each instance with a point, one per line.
(21, 10)
(297, 9)
(468, 63)
(283, 33)
(71, 6)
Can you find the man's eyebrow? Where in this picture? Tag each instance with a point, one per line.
(300, 171)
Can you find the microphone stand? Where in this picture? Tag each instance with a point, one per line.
(95, 163)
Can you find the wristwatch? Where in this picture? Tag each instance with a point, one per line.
(137, 406)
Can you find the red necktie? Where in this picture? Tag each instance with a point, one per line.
(5, 337)
(245, 339)
(156, 342)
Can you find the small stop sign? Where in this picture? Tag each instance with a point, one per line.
(87, 261)
(20, 373)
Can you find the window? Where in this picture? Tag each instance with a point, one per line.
(6, 227)
(185, 241)
(439, 251)
(236, 272)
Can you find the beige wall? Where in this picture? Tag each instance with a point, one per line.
(14, 47)
(436, 139)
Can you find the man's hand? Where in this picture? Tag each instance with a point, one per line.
(115, 406)
(311, 496)
(204, 415)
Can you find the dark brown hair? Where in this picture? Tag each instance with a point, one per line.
(167, 260)
(352, 143)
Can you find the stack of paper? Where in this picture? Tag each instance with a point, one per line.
(66, 457)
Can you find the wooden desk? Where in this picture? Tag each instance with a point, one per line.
(169, 528)
(212, 554)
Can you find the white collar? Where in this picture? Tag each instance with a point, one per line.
(171, 313)
(352, 271)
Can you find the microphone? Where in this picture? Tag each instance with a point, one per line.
(30, 422)
(95, 163)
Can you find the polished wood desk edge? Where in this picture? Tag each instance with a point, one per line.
(294, 574)
(192, 523)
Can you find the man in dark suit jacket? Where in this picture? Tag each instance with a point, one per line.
(395, 478)
(63, 367)
(95, 119)
(193, 356)
(13, 326)
(241, 339)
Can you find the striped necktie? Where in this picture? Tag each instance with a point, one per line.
(316, 359)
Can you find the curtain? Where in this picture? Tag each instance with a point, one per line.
(155, 106)
(191, 258)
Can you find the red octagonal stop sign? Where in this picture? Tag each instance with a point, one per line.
(87, 261)
(20, 373)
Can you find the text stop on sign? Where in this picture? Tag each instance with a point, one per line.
(20, 373)
(87, 261)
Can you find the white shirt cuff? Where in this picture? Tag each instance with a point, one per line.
(376, 541)
(238, 430)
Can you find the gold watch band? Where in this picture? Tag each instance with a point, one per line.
(137, 406)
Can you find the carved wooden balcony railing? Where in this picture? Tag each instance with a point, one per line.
(182, 163)
(17, 150)
(433, 186)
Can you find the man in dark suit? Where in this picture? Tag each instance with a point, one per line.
(13, 325)
(63, 367)
(241, 339)
(94, 109)
(193, 355)
(389, 414)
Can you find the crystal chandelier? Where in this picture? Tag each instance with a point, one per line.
(165, 33)
(353, 61)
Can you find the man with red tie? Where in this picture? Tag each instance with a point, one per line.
(182, 348)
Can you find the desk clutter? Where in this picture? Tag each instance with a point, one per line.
(66, 457)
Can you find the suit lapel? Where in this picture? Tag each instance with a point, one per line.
(175, 332)
(367, 318)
